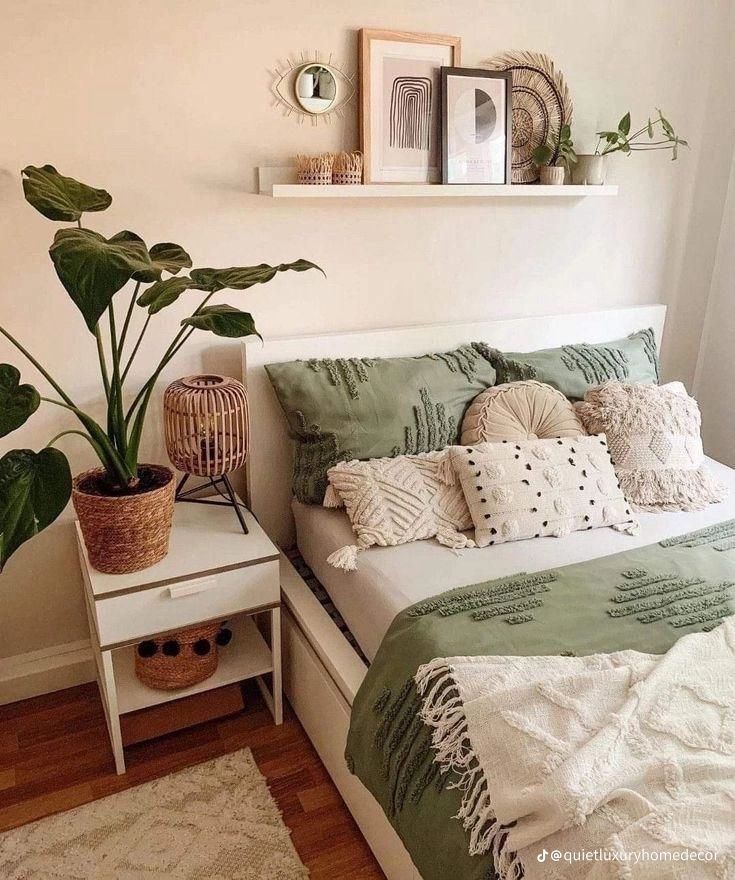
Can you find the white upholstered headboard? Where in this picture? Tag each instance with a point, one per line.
(269, 463)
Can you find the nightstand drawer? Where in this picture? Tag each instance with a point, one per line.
(158, 609)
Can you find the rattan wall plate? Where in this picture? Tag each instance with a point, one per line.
(541, 105)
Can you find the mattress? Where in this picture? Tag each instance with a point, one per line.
(389, 579)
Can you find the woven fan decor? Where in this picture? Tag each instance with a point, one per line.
(541, 105)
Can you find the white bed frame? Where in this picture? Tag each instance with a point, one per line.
(322, 672)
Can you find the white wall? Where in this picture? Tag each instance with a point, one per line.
(166, 104)
(715, 381)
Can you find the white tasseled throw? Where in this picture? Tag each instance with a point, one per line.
(628, 757)
(396, 500)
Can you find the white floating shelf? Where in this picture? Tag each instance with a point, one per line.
(279, 183)
(247, 656)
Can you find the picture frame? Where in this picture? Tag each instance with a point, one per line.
(400, 103)
(477, 126)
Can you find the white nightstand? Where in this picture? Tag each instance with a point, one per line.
(212, 572)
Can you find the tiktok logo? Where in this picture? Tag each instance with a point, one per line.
(541, 857)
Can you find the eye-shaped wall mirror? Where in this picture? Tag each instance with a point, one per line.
(313, 88)
(316, 88)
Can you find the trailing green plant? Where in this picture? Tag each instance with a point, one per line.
(36, 486)
(643, 139)
(561, 153)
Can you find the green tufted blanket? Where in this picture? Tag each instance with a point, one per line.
(643, 599)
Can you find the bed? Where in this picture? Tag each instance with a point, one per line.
(322, 672)
(390, 579)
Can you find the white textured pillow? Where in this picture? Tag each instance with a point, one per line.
(654, 437)
(397, 500)
(535, 488)
(527, 410)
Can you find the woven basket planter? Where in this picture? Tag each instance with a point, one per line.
(180, 659)
(347, 178)
(124, 533)
(315, 178)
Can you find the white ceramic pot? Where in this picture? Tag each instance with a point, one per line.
(551, 175)
(589, 170)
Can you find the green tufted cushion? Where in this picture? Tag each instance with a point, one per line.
(574, 369)
(361, 408)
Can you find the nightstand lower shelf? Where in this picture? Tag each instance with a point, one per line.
(247, 656)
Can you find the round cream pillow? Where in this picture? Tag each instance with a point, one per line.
(520, 411)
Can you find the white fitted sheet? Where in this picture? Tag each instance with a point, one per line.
(389, 579)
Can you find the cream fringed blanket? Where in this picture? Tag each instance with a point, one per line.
(623, 763)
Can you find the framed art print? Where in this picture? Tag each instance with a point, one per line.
(476, 125)
(400, 107)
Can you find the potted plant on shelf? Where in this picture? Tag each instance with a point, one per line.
(554, 161)
(124, 507)
(656, 134)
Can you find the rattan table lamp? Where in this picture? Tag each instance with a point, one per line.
(207, 433)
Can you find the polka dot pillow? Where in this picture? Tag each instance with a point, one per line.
(535, 488)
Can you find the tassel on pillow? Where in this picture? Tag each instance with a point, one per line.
(344, 558)
(332, 498)
(445, 471)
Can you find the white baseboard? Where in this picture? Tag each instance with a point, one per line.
(44, 671)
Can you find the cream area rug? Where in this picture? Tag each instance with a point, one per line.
(215, 821)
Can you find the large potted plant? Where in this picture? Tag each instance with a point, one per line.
(124, 506)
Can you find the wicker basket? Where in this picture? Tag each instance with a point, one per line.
(321, 178)
(347, 169)
(347, 178)
(124, 533)
(180, 659)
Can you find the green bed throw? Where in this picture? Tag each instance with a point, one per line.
(643, 599)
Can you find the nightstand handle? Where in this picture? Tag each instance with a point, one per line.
(192, 587)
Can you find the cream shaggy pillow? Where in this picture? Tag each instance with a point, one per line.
(535, 488)
(397, 500)
(654, 437)
(527, 410)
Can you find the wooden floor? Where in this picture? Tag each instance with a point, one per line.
(55, 754)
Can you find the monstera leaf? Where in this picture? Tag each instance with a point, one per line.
(34, 489)
(17, 402)
(93, 268)
(58, 197)
(167, 257)
(223, 321)
(165, 292)
(240, 278)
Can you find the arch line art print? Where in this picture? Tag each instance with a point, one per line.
(410, 113)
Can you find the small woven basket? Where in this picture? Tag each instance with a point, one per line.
(179, 659)
(347, 169)
(124, 533)
(314, 169)
(347, 178)
(320, 178)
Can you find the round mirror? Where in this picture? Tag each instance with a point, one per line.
(316, 88)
